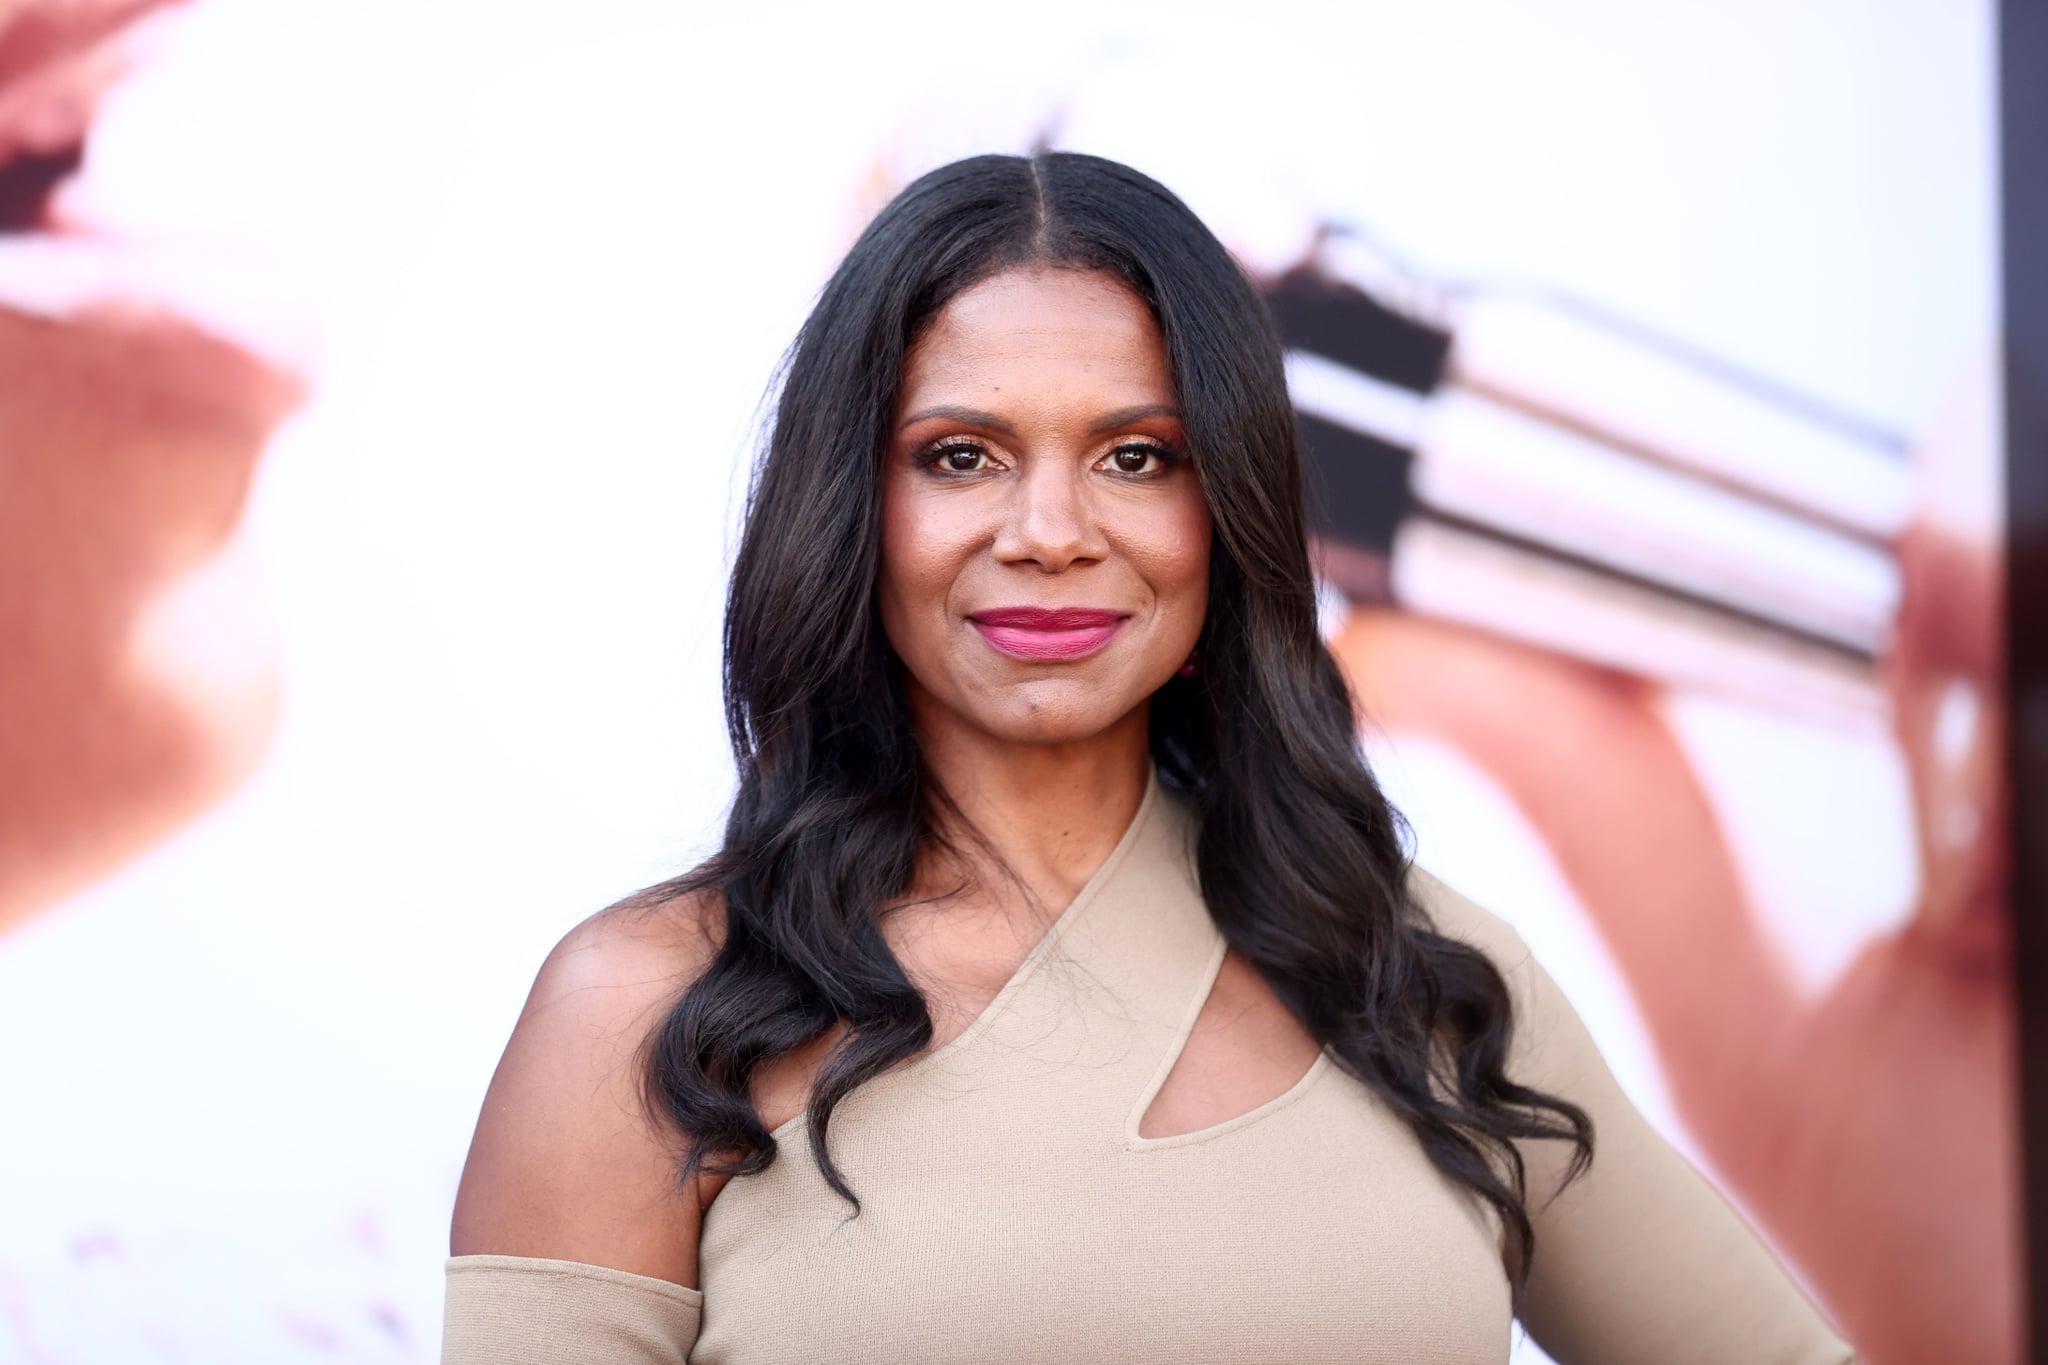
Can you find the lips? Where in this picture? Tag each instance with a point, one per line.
(1048, 634)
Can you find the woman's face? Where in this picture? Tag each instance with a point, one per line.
(1045, 544)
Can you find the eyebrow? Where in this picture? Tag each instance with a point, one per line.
(1124, 417)
(988, 421)
(970, 417)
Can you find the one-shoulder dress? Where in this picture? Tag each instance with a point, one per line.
(1010, 1210)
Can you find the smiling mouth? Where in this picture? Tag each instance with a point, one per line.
(1042, 635)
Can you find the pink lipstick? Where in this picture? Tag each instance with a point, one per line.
(1048, 635)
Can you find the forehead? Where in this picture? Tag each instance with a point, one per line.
(1042, 324)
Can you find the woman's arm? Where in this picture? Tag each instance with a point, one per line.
(1868, 1123)
(1639, 1258)
(572, 1241)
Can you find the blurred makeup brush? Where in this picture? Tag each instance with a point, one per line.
(1523, 464)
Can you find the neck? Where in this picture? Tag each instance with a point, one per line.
(1039, 816)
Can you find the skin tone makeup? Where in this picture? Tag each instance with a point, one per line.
(1045, 542)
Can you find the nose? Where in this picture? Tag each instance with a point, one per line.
(1051, 519)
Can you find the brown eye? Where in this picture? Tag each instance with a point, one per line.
(1134, 459)
(962, 459)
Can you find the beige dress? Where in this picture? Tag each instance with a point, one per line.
(1011, 1211)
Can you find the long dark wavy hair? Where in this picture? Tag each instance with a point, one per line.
(1300, 855)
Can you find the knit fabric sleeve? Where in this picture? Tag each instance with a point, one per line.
(523, 1310)
(1639, 1258)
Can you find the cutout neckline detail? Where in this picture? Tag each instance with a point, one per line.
(1047, 941)
(1136, 1141)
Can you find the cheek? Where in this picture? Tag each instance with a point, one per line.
(897, 587)
(1176, 553)
(921, 558)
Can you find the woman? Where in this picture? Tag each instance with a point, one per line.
(1057, 911)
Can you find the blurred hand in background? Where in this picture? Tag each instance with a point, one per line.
(1873, 1132)
(137, 684)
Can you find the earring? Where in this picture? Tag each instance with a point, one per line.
(1188, 669)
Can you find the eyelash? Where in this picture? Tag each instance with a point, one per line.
(930, 456)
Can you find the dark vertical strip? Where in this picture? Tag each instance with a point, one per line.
(1342, 322)
(2023, 131)
(1355, 485)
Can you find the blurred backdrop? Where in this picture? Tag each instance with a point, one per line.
(377, 387)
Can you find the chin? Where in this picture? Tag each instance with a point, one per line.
(1064, 712)
(1049, 730)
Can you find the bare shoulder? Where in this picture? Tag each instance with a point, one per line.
(644, 947)
(568, 1162)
